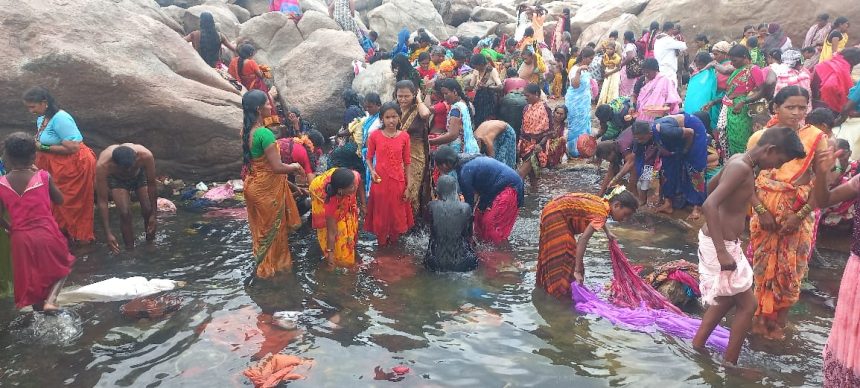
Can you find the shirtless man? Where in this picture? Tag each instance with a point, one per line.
(122, 169)
(726, 277)
(498, 140)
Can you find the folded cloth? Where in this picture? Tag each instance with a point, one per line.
(712, 281)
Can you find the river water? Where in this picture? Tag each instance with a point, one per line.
(488, 328)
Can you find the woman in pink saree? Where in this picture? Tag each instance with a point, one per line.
(658, 96)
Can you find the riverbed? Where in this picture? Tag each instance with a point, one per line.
(488, 328)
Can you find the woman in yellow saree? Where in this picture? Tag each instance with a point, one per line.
(272, 211)
(335, 201)
(782, 229)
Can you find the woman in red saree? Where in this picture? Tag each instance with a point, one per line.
(782, 229)
(62, 153)
(252, 76)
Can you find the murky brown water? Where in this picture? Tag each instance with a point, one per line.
(488, 328)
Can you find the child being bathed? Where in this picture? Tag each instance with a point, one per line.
(450, 231)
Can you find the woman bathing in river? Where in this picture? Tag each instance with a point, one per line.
(450, 247)
(337, 197)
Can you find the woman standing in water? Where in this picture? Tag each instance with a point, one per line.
(207, 40)
(40, 254)
(272, 211)
(63, 154)
(841, 361)
(451, 246)
(336, 198)
(560, 254)
(578, 101)
(415, 121)
(459, 133)
(782, 230)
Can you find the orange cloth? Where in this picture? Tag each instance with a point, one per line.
(248, 78)
(561, 219)
(273, 370)
(74, 176)
(345, 212)
(780, 260)
(272, 215)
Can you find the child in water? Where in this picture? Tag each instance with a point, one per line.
(40, 254)
(389, 212)
(726, 277)
(450, 230)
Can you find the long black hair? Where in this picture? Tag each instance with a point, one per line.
(652, 35)
(246, 51)
(38, 94)
(210, 40)
(341, 178)
(453, 85)
(251, 103)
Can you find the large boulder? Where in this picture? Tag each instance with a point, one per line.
(600, 30)
(376, 78)
(125, 78)
(314, 5)
(242, 14)
(723, 20)
(315, 20)
(254, 7)
(273, 34)
(225, 19)
(479, 29)
(151, 9)
(367, 5)
(484, 14)
(391, 17)
(179, 3)
(597, 11)
(557, 7)
(314, 75)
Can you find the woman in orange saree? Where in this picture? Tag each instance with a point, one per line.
(334, 210)
(70, 162)
(272, 211)
(782, 229)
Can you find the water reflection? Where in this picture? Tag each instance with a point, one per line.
(485, 328)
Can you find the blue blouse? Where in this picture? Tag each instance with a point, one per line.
(61, 128)
(487, 177)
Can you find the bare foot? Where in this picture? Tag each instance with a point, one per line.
(696, 214)
(50, 308)
(665, 208)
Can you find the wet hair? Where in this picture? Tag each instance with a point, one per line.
(820, 116)
(843, 145)
(852, 55)
(705, 118)
(39, 94)
(752, 42)
(625, 199)
(373, 35)
(210, 40)
(350, 98)
(390, 105)
(809, 49)
(668, 26)
(641, 127)
(251, 103)
(20, 147)
(785, 140)
(740, 51)
(445, 155)
(341, 178)
(424, 56)
(246, 51)
(478, 60)
(512, 73)
(613, 34)
(373, 98)
(529, 31)
(703, 58)
(629, 36)
(123, 156)
(702, 38)
(446, 188)
(786, 92)
(454, 86)
(533, 89)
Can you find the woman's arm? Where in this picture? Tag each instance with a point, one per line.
(575, 81)
(273, 157)
(608, 178)
(581, 244)
(455, 125)
(67, 147)
(229, 45)
(331, 237)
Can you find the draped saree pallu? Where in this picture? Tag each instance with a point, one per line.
(418, 188)
(345, 212)
(74, 175)
(560, 221)
(272, 215)
(780, 261)
(735, 128)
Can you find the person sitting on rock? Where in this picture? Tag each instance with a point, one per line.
(120, 170)
(207, 40)
(450, 230)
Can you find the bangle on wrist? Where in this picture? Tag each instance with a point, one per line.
(44, 147)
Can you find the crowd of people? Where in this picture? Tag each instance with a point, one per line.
(745, 127)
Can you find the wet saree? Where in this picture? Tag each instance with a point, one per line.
(74, 176)
(345, 212)
(780, 260)
(505, 147)
(272, 215)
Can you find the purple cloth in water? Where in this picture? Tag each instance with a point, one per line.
(685, 278)
(645, 319)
